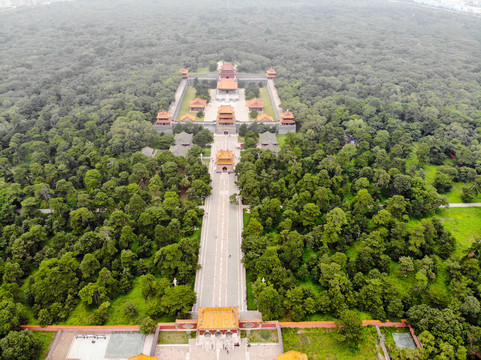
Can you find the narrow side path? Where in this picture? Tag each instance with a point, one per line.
(462, 205)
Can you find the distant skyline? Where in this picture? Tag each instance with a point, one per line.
(19, 3)
(465, 6)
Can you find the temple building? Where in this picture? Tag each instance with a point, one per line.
(183, 142)
(268, 141)
(163, 122)
(225, 163)
(218, 328)
(185, 73)
(198, 104)
(227, 71)
(255, 104)
(292, 355)
(287, 118)
(226, 115)
(187, 118)
(227, 89)
(264, 118)
(271, 74)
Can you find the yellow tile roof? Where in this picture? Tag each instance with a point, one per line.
(287, 115)
(264, 116)
(225, 109)
(218, 318)
(198, 102)
(224, 157)
(188, 116)
(164, 114)
(142, 357)
(227, 84)
(292, 355)
(255, 102)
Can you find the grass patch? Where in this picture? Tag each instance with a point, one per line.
(247, 217)
(321, 317)
(322, 344)
(430, 171)
(175, 337)
(268, 108)
(185, 106)
(260, 336)
(464, 224)
(250, 294)
(207, 151)
(47, 338)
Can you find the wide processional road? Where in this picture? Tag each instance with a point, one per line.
(221, 279)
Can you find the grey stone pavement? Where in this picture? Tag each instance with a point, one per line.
(195, 352)
(221, 279)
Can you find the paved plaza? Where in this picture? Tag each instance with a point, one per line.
(195, 352)
(221, 279)
(240, 107)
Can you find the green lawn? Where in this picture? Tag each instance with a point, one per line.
(47, 338)
(261, 336)
(185, 107)
(268, 108)
(430, 171)
(250, 295)
(206, 151)
(464, 224)
(175, 337)
(322, 344)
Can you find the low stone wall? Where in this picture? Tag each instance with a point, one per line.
(166, 129)
(284, 129)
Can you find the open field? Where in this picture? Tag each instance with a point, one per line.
(268, 108)
(464, 224)
(322, 344)
(185, 106)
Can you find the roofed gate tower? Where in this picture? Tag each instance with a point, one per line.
(218, 328)
(228, 71)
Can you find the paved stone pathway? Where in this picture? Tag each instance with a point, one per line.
(221, 279)
(463, 205)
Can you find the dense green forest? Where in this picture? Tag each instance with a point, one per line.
(342, 218)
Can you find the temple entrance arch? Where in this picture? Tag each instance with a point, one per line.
(224, 169)
(226, 133)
